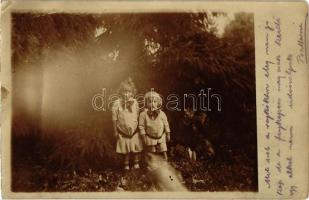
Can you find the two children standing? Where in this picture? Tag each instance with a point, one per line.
(148, 131)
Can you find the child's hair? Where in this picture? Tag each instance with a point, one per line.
(127, 83)
(150, 95)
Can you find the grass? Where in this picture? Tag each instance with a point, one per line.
(227, 171)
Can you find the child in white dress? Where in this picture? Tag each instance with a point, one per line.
(125, 112)
(154, 126)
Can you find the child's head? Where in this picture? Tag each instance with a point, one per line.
(127, 89)
(153, 100)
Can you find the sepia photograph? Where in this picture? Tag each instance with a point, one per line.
(133, 102)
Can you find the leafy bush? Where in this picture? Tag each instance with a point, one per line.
(86, 146)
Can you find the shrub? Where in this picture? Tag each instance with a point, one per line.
(87, 146)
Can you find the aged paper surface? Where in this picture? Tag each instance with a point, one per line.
(281, 80)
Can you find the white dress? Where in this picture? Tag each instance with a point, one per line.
(129, 139)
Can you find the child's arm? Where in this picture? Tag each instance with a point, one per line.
(116, 134)
(166, 128)
(137, 107)
(114, 118)
(142, 125)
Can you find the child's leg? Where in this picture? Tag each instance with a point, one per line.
(164, 155)
(136, 160)
(189, 153)
(162, 149)
(194, 155)
(126, 161)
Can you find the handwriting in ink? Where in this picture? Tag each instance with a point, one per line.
(278, 153)
(301, 45)
(267, 177)
(279, 122)
(289, 73)
(266, 104)
(279, 82)
(267, 152)
(268, 29)
(278, 38)
(278, 167)
(289, 167)
(266, 68)
(291, 138)
(280, 187)
(274, 26)
(293, 190)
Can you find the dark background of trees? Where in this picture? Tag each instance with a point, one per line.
(190, 56)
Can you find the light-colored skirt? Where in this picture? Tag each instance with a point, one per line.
(156, 145)
(127, 145)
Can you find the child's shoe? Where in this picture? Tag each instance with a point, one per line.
(126, 167)
(136, 166)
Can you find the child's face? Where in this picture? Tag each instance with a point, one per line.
(127, 93)
(154, 104)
